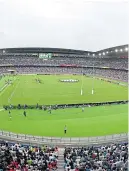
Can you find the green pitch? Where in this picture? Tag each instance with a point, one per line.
(25, 90)
(93, 121)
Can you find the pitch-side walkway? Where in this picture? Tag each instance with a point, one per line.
(62, 142)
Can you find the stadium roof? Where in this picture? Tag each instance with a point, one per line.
(122, 48)
(42, 50)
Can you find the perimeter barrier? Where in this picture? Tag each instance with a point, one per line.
(63, 141)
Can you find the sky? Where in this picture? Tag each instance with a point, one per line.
(73, 24)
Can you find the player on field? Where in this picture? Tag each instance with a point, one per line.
(24, 113)
(50, 110)
(83, 108)
(10, 114)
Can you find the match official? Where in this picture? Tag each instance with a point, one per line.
(65, 129)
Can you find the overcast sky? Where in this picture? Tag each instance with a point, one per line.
(75, 24)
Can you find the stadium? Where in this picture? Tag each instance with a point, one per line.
(63, 85)
(58, 87)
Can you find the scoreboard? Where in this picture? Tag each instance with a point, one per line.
(45, 55)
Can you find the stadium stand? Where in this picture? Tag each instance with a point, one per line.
(107, 63)
(23, 157)
(118, 63)
(121, 75)
(17, 157)
(109, 157)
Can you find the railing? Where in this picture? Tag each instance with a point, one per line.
(63, 141)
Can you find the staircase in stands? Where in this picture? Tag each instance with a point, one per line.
(60, 164)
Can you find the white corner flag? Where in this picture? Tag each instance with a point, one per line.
(92, 91)
(81, 92)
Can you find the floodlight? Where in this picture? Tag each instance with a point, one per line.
(126, 49)
(121, 50)
(93, 54)
(107, 52)
(103, 53)
(99, 54)
(116, 50)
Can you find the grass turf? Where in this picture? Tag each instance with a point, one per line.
(94, 121)
(25, 90)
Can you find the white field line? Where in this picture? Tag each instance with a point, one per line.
(12, 93)
(3, 87)
(1, 110)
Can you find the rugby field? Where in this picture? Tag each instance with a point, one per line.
(25, 90)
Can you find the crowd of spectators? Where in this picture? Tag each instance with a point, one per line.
(118, 63)
(112, 157)
(16, 157)
(27, 64)
(121, 75)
